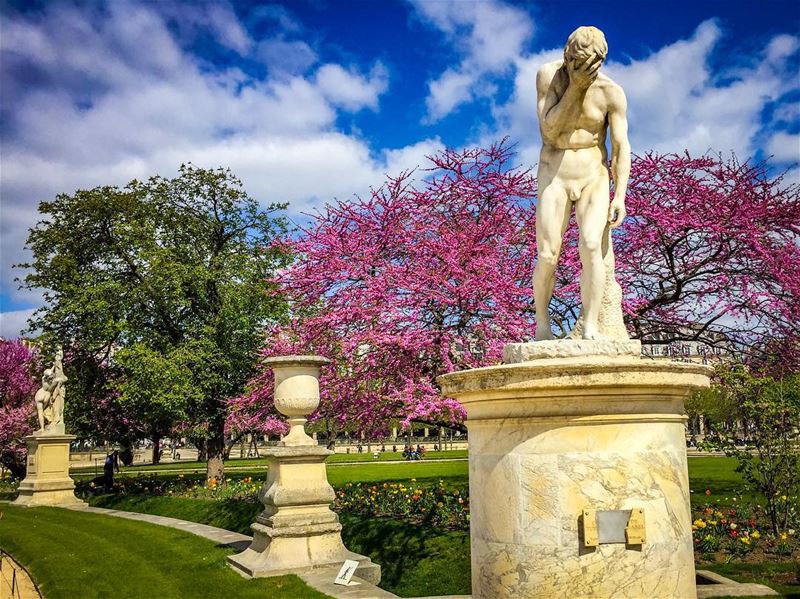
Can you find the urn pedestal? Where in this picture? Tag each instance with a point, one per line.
(297, 530)
(578, 474)
(47, 481)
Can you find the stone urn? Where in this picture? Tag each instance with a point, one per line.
(296, 393)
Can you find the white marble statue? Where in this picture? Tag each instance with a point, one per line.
(577, 105)
(50, 398)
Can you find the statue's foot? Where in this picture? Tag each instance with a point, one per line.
(593, 334)
(543, 333)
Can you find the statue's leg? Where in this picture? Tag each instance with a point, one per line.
(552, 217)
(591, 212)
(40, 414)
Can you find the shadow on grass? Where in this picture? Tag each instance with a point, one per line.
(416, 560)
(231, 514)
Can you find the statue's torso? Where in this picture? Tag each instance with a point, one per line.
(581, 151)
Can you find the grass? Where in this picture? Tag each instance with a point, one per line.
(72, 554)
(419, 560)
(256, 463)
(762, 573)
(231, 514)
(416, 561)
(718, 475)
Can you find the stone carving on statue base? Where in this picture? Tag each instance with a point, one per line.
(47, 480)
(297, 530)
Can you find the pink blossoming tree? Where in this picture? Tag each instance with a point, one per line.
(17, 410)
(424, 277)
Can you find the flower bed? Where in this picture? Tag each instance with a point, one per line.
(740, 530)
(433, 505)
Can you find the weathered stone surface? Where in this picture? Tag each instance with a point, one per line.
(297, 531)
(578, 108)
(552, 437)
(47, 481)
(570, 348)
(296, 393)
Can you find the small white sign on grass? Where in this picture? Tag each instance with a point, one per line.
(346, 573)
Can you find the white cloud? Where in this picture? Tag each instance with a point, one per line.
(675, 101)
(105, 111)
(293, 57)
(785, 147)
(411, 157)
(489, 35)
(348, 89)
(14, 322)
(450, 90)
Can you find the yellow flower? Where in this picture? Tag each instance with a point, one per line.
(783, 497)
(745, 540)
(784, 536)
(755, 534)
(699, 523)
(712, 522)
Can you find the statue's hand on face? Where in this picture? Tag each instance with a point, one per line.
(583, 72)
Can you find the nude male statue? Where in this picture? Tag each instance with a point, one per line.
(576, 106)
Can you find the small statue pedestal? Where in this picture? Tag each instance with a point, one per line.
(565, 448)
(297, 530)
(47, 481)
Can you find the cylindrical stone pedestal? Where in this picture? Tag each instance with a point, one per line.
(554, 439)
(47, 481)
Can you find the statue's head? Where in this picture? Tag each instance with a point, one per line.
(584, 44)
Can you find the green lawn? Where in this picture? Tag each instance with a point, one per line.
(416, 560)
(256, 463)
(713, 473)
(716, 474)
(763, 573)
(72, 554)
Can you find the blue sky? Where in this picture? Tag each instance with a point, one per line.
(311, 100)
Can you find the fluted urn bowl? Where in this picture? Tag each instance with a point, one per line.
(296, 392)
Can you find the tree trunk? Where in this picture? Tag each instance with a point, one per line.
(156, 448)
(202, 450)
(215, 447)
(126, 453)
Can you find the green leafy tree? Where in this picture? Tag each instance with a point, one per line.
(769, 412)
(717, 404)
(174, 272)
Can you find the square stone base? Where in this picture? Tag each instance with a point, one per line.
(47, 481)
(297, 531)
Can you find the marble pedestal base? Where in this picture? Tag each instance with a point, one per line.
(297, 530)
(550, 438)
(47, 481)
